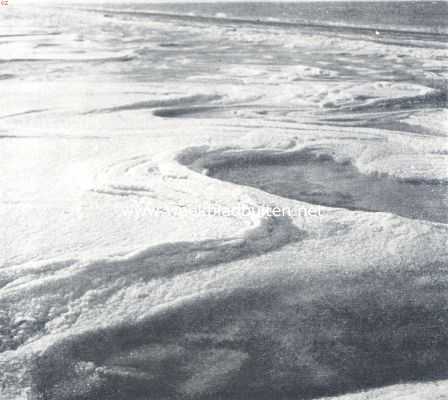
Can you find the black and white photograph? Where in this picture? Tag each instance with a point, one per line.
(223, 200)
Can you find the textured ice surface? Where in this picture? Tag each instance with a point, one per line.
(106, 117)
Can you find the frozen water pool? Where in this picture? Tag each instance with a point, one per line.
(326, 182)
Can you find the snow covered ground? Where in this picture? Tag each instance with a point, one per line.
(113, 285)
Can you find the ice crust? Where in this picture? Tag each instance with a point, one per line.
(102, 299)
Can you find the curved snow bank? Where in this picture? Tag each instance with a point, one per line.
(65, 293)
(73, 280)
(399, 156)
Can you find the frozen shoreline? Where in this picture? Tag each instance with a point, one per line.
(106, 300)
